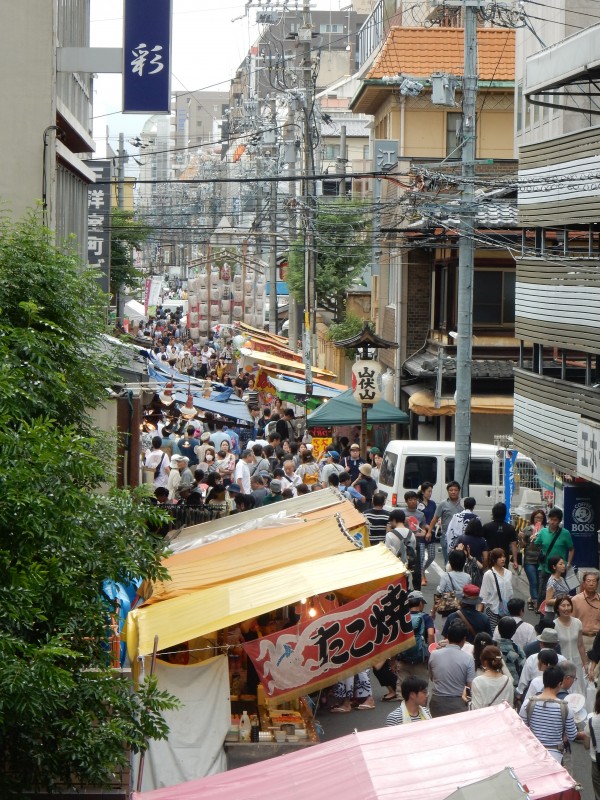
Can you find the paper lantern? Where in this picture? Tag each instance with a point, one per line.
(367, 381)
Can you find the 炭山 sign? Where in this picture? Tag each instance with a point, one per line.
(147, 57)
(335, 645)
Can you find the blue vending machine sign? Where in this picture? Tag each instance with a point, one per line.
(147, 57)
(581, 518)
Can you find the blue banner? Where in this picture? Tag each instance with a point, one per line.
(510, 456)
(581, 514)
(147, 57)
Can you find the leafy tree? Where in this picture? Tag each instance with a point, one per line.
(64, 715)
(126, 235)
(350, 325)
(342, 250)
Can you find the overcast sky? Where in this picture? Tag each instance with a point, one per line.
(207, 48)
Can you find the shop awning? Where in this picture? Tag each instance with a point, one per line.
(423, 403)
(321, 382)
(264, 358)
(297, 388)
(345, 410)
(207, 532)
(208, 610)
(428, 760)
(316, 535)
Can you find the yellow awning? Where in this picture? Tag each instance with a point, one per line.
(208, 610)
(315, 535)
(423, 403)
(265, 358)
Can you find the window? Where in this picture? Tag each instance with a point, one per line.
(494, 297)
(453, 125)
(332, 151)
(481, 471)
(366, 152)
(388, 469)
(519, 108)
(418, 469)
(334, 28)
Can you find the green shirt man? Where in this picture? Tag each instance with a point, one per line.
(563, 546)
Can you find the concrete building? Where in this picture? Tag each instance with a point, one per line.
(557, 318)
(50, 111)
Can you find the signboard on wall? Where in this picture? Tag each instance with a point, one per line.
(334, 645)
(147, 57)
(581, 518)
(588, 450)
(99, 221)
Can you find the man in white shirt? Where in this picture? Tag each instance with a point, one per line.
(241, 476)
(549, 639)
(459, 522)
(525, 633)
(289, 480)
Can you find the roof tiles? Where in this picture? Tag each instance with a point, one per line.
(420, 51)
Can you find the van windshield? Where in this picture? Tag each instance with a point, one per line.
(388, 469)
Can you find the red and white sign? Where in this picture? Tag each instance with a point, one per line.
(333, 646)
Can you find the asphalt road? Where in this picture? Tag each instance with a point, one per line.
(335, 725)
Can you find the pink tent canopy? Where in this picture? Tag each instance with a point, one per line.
(427, 759)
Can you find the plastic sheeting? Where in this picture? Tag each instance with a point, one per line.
(197, 730)
(426, 760)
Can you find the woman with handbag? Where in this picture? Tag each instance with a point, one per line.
(570, 637)
(556, 585)
(531, 554)
(496, 587)
(492, 686)
(449, 593)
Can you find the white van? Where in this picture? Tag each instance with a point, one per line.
(407, 464)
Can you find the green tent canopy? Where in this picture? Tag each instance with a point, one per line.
(345, 410)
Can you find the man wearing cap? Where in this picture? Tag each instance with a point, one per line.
(241, 475)
(548, 638)
(332, 466)
(351, 465)
(177, 466)
(474, 620)
(586, 607)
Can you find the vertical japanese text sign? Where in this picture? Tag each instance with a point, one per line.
(147, 57)
(99, 221)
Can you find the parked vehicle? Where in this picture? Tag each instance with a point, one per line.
(407, 464)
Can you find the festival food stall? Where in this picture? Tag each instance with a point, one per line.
(426, 760)
(260, 638)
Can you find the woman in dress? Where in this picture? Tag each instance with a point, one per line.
(426, 549)
(531, 553)
(496, 587)
(492, 686)
(556, 584)
(570, 637)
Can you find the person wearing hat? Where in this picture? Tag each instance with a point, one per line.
(332, 466)
(352, 463)
(548, 638)
(365, 484)
(177, 466)
(274, 495)
(468, 613)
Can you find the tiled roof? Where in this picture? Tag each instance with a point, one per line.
(425, 365)
(492, 212)
(420, 51)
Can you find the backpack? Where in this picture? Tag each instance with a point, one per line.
(417, 653)
(513, 660)
(472, 569)
(564, 710)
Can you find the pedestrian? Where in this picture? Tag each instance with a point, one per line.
(570, 636)
(496, 587)
(241, 474)
(378, 518)
(524, 632)
(414, 660)
(548, 639)
(492, 687)
(553, 540)
(401, 541)
(427, 548)
(549, 718)
(258, 490)
(477, 550)
(156, 462)
(332, 466)
(512, 653)
(586, 607)
(450, 671)
(353, 462)
(455, 579)
(413, 707)
(459, 522)
(366, 486)
(528, 543)
(469, 614)
(546, 658)
(444, 513)
(499, 533)
(353, 692)
(594, 732)
(555, 585)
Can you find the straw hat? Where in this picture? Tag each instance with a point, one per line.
(366, 470)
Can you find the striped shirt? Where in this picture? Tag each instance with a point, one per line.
(400, 715)
(378, 520)
(546, 722)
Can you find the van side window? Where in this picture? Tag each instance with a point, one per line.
(387, 471)
(418, 469)
(480, 471)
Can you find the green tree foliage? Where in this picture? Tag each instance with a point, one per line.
(126, 235)
(64, 716)
(342, 249)
(351, 325)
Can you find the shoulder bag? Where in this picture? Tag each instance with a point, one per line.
(543, 556)
(446, 602)
(502, 609)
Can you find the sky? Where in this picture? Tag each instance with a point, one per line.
(210, 39)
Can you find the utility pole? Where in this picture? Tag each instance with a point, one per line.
(290, 160)
(342, 159)
(272, 237)
(466, 252)
(309, 192)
